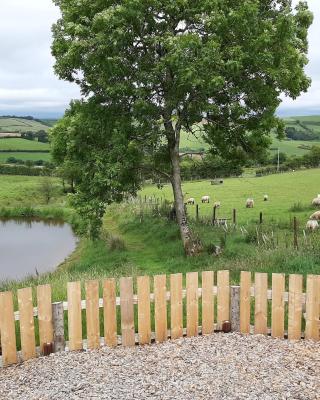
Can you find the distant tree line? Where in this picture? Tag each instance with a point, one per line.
(309, 160)
(41, 136)
(294, 134)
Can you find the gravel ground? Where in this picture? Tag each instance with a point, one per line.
(219, 366)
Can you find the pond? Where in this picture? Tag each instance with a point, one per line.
(31, 247)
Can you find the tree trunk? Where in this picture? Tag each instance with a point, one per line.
(191, 245)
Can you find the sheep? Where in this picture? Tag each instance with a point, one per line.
(205, 199)
(312, 225)
(191, 200)
(217, 204)
(315, 216)
(316, 201)
(265, 197)
(249, 203)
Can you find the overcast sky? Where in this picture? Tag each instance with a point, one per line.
(29, 86)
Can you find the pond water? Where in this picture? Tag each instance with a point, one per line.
(30, 247)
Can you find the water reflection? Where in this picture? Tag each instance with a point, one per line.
(31, 246)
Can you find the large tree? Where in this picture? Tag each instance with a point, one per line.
(171, 65)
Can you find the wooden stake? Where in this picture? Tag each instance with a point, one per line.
(234, 216)
(58, 327)
(295, 233)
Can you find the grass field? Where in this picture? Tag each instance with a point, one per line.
(25, 156)
(21, 125)
(23, 191)
(22, 144)
(29, 148)
(284, 191)
(290, 147)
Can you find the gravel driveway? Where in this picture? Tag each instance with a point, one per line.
(219, 366)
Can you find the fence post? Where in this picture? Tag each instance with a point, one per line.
(234, 216)
(261, 218)
(235, 309)
(295, 233)
(58, 326)
(197, 212)
(214, 215)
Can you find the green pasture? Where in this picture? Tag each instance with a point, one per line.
(24, 191)
(22, 144)
(284, 190)
(25, 156)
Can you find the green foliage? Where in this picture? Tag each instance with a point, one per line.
(92, 154)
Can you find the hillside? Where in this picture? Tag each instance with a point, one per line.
(10, 124)
(305, 124)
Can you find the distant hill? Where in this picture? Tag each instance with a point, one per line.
(12, 124)
(305, 124)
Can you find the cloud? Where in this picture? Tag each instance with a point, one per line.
(308, 103)
(27, 81)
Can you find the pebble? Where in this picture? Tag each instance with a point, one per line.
(219, 366)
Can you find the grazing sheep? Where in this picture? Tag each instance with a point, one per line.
(312, 225)
(265, 197)
(205, 199)
(191, 200)
(217, 204)
(315, 216)
(316, 201)
(249, 203)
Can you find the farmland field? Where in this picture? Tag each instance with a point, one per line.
(284, 191)
(24, 156)
(290, 147)
(22, 144)
(21, 125)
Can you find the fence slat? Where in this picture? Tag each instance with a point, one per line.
(92, 314)
(160, 307)
(127, 311)
(8, 331)
(144, 320)
(207, 302)
(245, 299)
(192, 303)
(74, 315)
(295, 307)
(312, 307)
(261, 303)
(277, 313)
(28, 342)
(223, 297)
(44, 315)
(176, 306)
(110, 312)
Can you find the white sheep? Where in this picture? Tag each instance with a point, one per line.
(205, 199)
(265, 197)
(315, 216)
(316, 201)
(217, 204)
(249, 203)
(191, 200)
(312, 225)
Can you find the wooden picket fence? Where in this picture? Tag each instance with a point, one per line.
(177, 309)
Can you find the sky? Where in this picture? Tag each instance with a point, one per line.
(28, 85)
